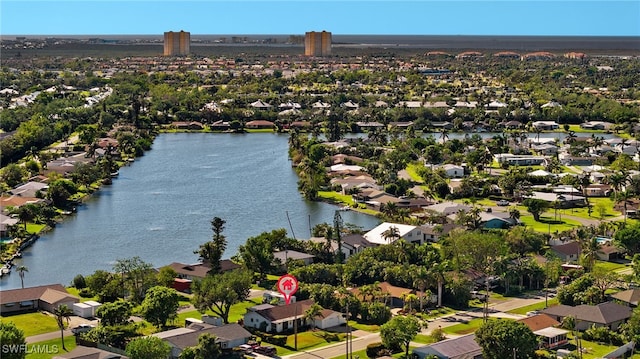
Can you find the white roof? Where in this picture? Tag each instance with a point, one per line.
(550, 332)
(375, 235)
(343, 167)
(539, 173)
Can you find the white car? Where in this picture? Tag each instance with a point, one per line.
(502, 203)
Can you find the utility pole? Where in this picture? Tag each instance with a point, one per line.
(295, 326)
(348, 331)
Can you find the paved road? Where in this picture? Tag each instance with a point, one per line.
(335, 350)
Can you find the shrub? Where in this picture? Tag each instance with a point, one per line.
(374, 349)
(85, 293)
(79, 282)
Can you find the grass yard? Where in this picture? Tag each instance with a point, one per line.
(366, 327)
(423, 339)
(237, 312)
(75, 291)
(531, 307)
(544, 225)
(413, 173)
(50, 348)
(610, 266)
(33, 323)
(35, 228)
(465, 328)
(336, 197)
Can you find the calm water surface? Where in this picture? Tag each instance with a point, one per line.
(160, 207)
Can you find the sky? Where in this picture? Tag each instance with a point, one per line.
(347, 17)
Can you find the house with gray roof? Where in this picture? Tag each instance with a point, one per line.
(228, 336)
(464, 347)
(608, 314)
(44, 297)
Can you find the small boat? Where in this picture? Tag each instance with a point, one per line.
(345, 208)
(5, 270)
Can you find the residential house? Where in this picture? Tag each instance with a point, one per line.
(186, 273)
(5, 224)
(44, 297)
(220, 126)
(596, 125)
(393, 295)
(286, 255)
(82, 352)
(453, 171)
(356, 183)
(629, 297)
(278, 319)
(30, 189)
(409, 233)
(183, 125)
(609, 251)
(447, 208)
(597, 190)
(545, 125)
(519, 160)
(350, 244)
(568, 252)
(228, 336)
(433, 232)
(260, 105)
(607, 314)
(545, 328)
(259, 124)
(464, 347)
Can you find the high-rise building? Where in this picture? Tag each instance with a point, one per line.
(177, 43)
(317, 43)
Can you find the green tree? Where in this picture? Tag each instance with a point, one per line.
(219, 292)
(212, 251)
(63, 315)
(115, 313)
(137, 275)
(159, 305)
(207, 348)
(500, 339)
(257, 254)
(148, 348)
(11, 337)
(399, 331)
(166, 276)
(13, 174)
(313, 312)
(536, 207)
(629, 238)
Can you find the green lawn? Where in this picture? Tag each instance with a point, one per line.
(423, 339)
(33, 323)
(544, 225)
(413, 174)
(336, 197)
(50, 348)
(536, 306)
(366, 327)
(35, 228)
(610, 266)
(75, 291)
(237, 312)
(465, 328)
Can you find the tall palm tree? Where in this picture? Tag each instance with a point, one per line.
(421, 278)
(390, 234)
(590, 252)
(63, 314)
(21, 271)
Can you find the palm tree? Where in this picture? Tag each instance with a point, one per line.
(313, 312)
(391, 233)
(21, 271)
(590, 252)
(62, 314)
(421, 279)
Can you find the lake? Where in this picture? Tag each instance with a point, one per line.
(160, 207)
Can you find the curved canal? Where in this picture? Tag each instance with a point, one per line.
(160, 207)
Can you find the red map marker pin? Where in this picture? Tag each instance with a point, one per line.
(287, 286)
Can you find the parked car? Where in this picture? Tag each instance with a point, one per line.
(82, 328)
(268, 351)
(503, 203)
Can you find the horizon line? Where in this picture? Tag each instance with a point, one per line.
(333, 34)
